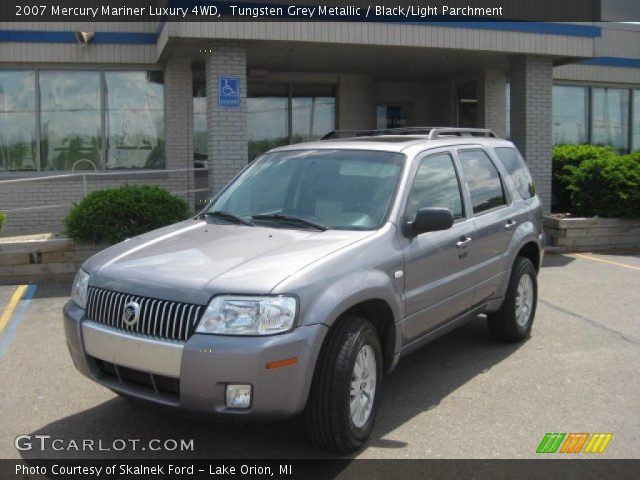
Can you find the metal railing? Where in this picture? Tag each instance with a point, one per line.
(85, 176)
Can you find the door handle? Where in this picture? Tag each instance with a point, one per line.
(463, 242)
(510, 224)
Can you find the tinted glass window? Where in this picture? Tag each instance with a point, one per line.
(519, 172)
(570, 114)
(483, 179)
(436, 185)
(17, 120)
(610, 118)
(135, 119)
(70, 126)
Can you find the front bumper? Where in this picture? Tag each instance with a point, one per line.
(193, 375)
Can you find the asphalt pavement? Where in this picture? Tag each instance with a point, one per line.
(463, 396)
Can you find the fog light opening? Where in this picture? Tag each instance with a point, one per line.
(238, 396)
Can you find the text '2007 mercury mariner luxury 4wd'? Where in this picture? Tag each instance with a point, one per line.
(311, 274)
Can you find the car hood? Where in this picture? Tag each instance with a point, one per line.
(193, 260)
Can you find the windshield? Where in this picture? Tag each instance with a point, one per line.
(337, 189)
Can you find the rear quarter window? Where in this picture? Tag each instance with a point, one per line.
(518, 171)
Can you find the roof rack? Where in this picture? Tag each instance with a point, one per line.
(433, 132)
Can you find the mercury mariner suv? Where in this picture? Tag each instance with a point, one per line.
(311, 274)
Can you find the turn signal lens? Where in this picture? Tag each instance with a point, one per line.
(282, 363)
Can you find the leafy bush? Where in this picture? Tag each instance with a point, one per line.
(609, 187)
(2, 219)
(565, 159)
(113, 214)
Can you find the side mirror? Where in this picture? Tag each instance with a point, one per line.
(430, 220)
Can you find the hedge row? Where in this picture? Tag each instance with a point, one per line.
(590, 180)
(113, 214)
(2, 219)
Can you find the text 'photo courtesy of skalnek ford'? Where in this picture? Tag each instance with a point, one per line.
(319, 240)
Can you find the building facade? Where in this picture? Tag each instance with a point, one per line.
(187, 105)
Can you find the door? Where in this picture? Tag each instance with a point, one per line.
(467, 105)
(494, 219)
(438, 283)
(394, 115)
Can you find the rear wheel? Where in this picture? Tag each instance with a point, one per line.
(344, 395)
(512, 323)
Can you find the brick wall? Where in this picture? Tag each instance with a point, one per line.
(493, 102)
(227, 127)
(58, 195)
(178, 81)
(356, 102)
(531, 102)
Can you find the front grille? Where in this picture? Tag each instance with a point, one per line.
(159, 384)
(158, 318)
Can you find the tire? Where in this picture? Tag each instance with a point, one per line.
(507, 324)
(328, 416)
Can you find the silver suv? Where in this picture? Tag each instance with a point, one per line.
(311, 274)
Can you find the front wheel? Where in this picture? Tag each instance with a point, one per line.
(512, 323)
(344, 395)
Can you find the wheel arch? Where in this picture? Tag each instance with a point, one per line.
(380, 314)
(531, 250)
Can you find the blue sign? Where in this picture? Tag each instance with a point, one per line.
(228, 92)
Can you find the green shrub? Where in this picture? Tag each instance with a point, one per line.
(2, 219)
(566, 158)
(609, 187)
(113, 214)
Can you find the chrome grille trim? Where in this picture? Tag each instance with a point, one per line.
(158, 318)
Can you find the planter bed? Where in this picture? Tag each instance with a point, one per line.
(591, 234)
(34, 258)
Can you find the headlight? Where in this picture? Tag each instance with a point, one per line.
(239, 315)
(80, 287)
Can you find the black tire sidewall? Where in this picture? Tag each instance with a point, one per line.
(366, 336)
(523, 267)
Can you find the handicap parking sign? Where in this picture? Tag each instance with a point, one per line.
(228, 92)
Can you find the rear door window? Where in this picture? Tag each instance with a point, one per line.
(514, 164)
(485, 184)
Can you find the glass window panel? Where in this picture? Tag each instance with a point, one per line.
(313, 112)
(610, 118)
(17, 120)
(200, 149)
(436, 185)
(485, 185)
(570, 114)
(267, 118)
(135, 120)
(636, 121)
(350, 189)
(70, 126)
(514, 163)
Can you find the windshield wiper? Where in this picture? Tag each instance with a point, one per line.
(289, 218)
(228, 216)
